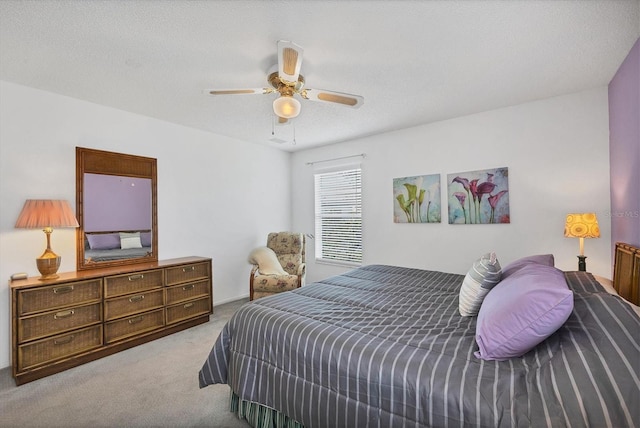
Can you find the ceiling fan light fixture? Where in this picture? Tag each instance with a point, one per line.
(286, 106)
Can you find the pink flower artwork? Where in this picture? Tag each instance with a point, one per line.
(479, 197)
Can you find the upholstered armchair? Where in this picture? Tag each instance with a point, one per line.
(290, 252)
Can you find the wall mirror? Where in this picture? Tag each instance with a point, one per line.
(116, 207)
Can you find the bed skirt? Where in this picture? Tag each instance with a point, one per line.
(259, 416)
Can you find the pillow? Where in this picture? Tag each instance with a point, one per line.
(542, 259)
(130, 240)
(522, 311)
(482, 277)
(267, 261)
(103, 241)
(145, 239)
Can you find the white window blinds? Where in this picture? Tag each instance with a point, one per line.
(338, 216)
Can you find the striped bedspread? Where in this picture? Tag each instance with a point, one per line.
(385, 346)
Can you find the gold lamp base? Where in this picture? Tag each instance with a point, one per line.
(48, 264)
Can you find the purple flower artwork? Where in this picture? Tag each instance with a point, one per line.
(479, 197)
(417, 199)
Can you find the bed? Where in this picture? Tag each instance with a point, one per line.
(387, 346)
(110, 246)
(116, 254)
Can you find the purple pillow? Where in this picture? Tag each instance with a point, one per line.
(522, 311)
(541, 259)
(103, 241)
(145, 239)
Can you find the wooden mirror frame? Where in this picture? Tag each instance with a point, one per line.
(111, 163)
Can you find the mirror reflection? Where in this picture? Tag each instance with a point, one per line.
(117, 217)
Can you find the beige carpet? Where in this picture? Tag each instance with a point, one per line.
(151, 385)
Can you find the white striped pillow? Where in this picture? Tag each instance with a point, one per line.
(481, 278)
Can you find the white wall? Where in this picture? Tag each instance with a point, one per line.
(209, 186)
(557, 152)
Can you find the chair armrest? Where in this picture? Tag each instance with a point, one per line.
(301, 269)
(301, 274)
(254, 270)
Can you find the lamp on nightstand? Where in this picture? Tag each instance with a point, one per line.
(46, 214)
(582, 226)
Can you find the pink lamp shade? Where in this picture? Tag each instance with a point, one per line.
(46, 214)
(37, 213)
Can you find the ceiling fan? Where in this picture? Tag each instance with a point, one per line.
(286, 80)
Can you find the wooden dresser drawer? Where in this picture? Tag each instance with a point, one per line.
(181, 293)
(58, 296)
(183, 311)
(187, 273)
(56, 347)
(59, 321)
(132, 283)
(131, 326)
(84, 315)
(132, 304)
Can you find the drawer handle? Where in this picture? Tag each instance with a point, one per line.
(136, 298)
(188, 269)
(188, 287)
(61, 290)
(188, 305)
(64, 341)
(136, 319)
(63, 314)
(136, 277)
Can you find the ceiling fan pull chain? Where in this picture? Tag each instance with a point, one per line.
(294, 136)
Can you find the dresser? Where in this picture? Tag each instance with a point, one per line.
(86, 315)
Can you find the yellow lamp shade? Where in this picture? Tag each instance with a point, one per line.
(582, 226)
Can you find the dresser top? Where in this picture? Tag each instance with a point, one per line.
(98, 273)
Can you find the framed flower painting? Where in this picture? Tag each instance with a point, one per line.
(417, 199)
(479, 197)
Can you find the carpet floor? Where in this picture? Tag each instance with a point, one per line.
(151, 385)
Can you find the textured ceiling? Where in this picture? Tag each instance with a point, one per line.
(414, 62)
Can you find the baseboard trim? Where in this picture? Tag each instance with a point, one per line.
(232, 299)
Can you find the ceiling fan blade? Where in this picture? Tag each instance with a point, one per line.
(289, 61)
(348, 100)
(250, 91)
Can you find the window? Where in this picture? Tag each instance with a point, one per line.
(338, 216)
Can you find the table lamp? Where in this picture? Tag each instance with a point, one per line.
(582, 226)
(46, 214)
